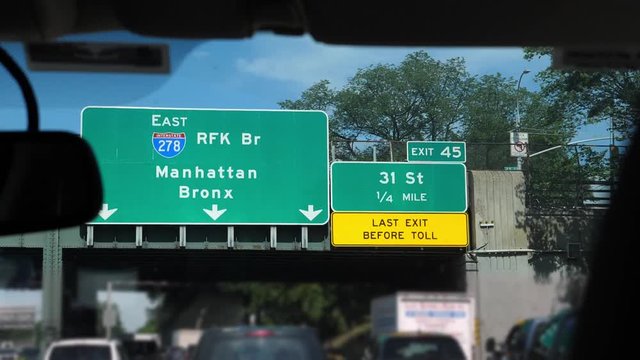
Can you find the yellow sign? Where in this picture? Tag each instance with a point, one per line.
(417, 230)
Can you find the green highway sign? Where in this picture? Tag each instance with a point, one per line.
(437, 151)
(204, 166)
(398, 187)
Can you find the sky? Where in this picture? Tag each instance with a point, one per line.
(133, 304)
(255, 73)
(233, 74)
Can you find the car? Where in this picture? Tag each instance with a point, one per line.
(175, 353)
(142, 346)
(553, 340)
(418, 346)
(81, 349)
(190, 352)
(519, 341)
(260, 342)
(8, 354)
(29, 353)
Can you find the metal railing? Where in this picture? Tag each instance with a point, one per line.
(576, 184)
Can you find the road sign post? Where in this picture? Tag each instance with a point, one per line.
(519, 144)
(200, 166)
(398, 187)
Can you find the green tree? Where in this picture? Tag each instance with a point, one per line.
(330, 308)
(595, 96)
(320, 96)
(579, 98)
(150, 327)
(421, 98)
(425, 99)
(489, 117)
(317, 97)
(440, 91)
(490, 114)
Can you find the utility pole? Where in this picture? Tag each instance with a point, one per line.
(110, 318)
(519, 159)
(613, 159)
(109, 310)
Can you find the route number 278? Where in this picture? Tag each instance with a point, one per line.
(169, 145)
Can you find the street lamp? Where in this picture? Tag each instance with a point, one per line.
(518, 99)
(519, 159)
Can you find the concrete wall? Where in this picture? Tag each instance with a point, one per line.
(549, 231)
(501, 221)
(521, 260)
(497, 209)
(507, 291)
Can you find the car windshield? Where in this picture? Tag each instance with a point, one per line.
(362, 192)
(260, 349)
(81, 352)
(140, 348)
(422, 348)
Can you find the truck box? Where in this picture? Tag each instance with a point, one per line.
(186, 337)
(425, 312)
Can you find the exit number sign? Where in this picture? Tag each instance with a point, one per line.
(436, 151)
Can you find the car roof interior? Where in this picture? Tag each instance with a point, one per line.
(600, 24)
(458, 22)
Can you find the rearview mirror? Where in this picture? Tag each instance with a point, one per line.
(47, 180)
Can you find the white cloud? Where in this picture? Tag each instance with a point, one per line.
(305, 62)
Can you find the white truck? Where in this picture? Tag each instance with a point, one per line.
(185, 337)
(451, 314)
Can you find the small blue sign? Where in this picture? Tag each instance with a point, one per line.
(169, 145)
(436, 313)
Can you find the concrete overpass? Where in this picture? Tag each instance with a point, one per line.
(515, 265)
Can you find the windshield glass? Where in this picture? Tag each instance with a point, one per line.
(359, 191)
(81, 352)
(422, 348)
(259, 349)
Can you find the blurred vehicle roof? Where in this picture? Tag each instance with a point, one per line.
(84, 341)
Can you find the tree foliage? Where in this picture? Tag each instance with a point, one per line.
(419, 99)
(591, 97)
(150, 327)
(330, 308)
(422, 98)
(559, 180)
